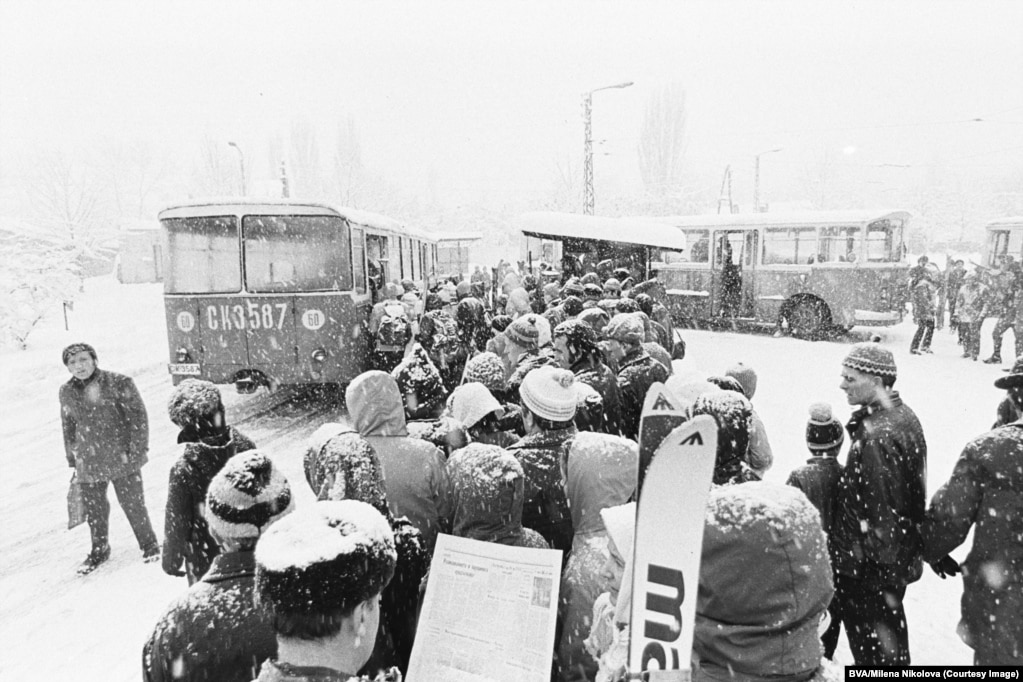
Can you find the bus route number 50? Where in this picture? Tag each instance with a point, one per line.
(252, 315)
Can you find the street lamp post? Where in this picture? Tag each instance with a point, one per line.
(756, 178)
(588, 146)
(241, 162)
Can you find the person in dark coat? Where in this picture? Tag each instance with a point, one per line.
(985, 493)
(487, 493)
(208, 442)
(214, 631)
(473, 324)
(342, 552)
(923, 315)
(637, 371)
(344, 466)
(818, 479)
(549, 399)
(106, 440)
(875, 537)
(523, 349)
(576, 348)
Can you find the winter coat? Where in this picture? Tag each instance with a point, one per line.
(760, 455)
(818, 479)
(186, 537)
(985, 492)
(341, 465)
(473, 324)
(637, 371)
(487, 492)
(881, 496)
(923, 301)
(527, 362)
(213, 631)
(416, 484)
(106, 428)
(972, 302)
(546, 508)
(764, 628)
(600, 472)
(600, 377)
(272, 671)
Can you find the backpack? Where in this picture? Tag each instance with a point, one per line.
(444, 346)
(394, 330)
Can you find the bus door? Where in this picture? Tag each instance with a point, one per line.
(734, 285)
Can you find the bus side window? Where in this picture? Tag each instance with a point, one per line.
(358, 260)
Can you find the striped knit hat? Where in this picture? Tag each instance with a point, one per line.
(823, 431)
(550, 393)
(246, 496)
(870, 358)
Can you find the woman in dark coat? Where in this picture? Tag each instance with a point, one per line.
(195, 407)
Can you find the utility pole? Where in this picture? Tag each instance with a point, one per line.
(588, 145)
(241, 161)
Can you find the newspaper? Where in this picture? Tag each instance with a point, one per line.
(489, 613)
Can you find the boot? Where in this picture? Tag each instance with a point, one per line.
(151, 554)
(96, 557)
(995, 359)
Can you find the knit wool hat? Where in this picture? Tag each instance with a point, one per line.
(193, 400)
(871, 358)
(550, 393)
(595, 317)
(471, 402)
(613, 284)
(573, 287)
(525, 331)
(487, 369)
(823, 431)
(626, 305)
(75, 349)
(572, 306)
(626, 328)
(593, 291)
(326, 558)
(746, 376)
(247, 495)
(578, 334)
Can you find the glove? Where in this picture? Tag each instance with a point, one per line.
(946, 566)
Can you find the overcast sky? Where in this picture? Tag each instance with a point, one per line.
(482, 99)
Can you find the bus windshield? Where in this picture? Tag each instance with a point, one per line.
(286, 253)
(884, 241)
(203, 255)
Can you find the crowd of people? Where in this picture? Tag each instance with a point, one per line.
(513, 417)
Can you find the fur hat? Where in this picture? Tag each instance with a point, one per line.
(192, 401)
(626, 328)
(870, 358)
(525, 331)
(627, 305)
(487, 369)
(344, 466)
(573, 287)
(1014, 377)
(327, 557)
(550, 393)
(592, 291)
(572, 306)
(578, 334)
(247, 495)
(823, 431)
(746, 376)
(417, 374)
(76, 348)
(471, 402)
(734, 417)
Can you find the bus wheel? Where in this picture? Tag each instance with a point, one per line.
(809, 318)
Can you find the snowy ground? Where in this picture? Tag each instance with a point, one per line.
(57, 625)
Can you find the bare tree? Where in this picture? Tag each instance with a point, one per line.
(215, 173)
(304, 160)
(349, 174)
(662, 140)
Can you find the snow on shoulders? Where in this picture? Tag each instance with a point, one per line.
(782, 507)
(322, 532)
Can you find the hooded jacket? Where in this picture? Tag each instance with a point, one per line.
(214, 631)
(765, 582)
(185, 533)
(106, 428)
(414, 476)
(600, 473)
(985, 492)
(487, 491)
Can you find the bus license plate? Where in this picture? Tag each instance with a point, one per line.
(189, 368)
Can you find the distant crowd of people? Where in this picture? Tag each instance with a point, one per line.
(514, 418)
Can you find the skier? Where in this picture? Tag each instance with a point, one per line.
(487, 494)
(213, 631)
(875, 540)
(599, 472)
(106, 438)
(341, 552)
(344, 466)
(985, 493)
(417, 486)
(208, 443)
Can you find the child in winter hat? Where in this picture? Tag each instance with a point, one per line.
(194, 405)
(746, 376)
(245, 497)
(319, 574)
(550, 394)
